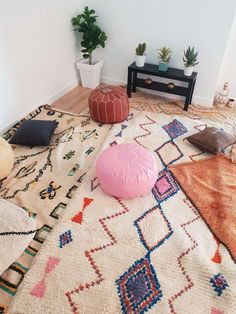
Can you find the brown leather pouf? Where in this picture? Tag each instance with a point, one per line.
(108, 104)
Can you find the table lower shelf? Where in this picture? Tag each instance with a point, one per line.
(162, 87)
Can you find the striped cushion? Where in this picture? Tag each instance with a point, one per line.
(108, 104)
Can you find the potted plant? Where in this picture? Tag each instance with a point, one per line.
(140, 56)
(190, 60)
(164, 57)
(92, 38)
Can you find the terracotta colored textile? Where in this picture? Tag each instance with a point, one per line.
(108, 104)
(211, 186)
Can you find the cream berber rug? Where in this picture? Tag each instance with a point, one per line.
(106, 255)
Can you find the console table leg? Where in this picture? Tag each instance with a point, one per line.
(186, 104)
(191, 95)
(188, 97)
(134, 82)
(129, 83)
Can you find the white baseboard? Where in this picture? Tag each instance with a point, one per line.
(17, 119)
(204, 102)
(48, 100)
(60, 92)
(112, 81)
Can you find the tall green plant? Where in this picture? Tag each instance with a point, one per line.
(93, 36)
(190, 57)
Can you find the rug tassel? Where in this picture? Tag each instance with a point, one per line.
(217, 257)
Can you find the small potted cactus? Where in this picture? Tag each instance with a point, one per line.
(140, 56)
(164, 57)
(190, 60)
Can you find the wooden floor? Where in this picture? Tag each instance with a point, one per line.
(75, 101)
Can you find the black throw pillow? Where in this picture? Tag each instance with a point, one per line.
(34, 133)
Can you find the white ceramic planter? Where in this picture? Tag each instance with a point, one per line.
(90, 74)
(140, 60)
(188, 71)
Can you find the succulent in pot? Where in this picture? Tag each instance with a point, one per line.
(140, 56)
(164, 58)
(190, 60)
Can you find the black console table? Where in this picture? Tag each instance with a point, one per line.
(170, 87)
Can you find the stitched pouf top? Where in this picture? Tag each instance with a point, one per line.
(126, 171)
(108, 104)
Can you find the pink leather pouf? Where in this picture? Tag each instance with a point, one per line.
(126, 171)
(108, 104)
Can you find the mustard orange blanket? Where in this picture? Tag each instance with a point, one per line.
(211, 186)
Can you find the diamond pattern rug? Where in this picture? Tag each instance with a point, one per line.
(44, 179)
(153, 253)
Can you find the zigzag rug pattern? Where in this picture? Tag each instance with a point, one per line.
(147, 131)
(190, 283)
(91, 260)
(152, 253)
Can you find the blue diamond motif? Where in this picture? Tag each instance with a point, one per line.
(65, 238)
(175, 129)
(219, 283)
(165, 186)
(138, 288)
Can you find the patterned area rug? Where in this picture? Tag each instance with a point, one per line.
(44, 179)
(148, 102)
(105, 255)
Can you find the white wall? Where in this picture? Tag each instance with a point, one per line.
(37, 54)
(38, 47)
(228, 68)
(204, 24)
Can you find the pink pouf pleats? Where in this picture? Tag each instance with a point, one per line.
(126, 171)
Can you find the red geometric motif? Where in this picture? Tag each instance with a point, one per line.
(148, 132)
(217, 257)
(91, 261)
(190, 284)
(78, 218)
(216, 311)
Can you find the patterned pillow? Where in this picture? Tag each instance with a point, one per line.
(212, 140)
(17, 229)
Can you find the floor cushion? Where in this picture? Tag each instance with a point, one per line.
(126, 171)
(108, 104)
(17, 229)
(34, 133)
(212, 140)
(6, 158)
